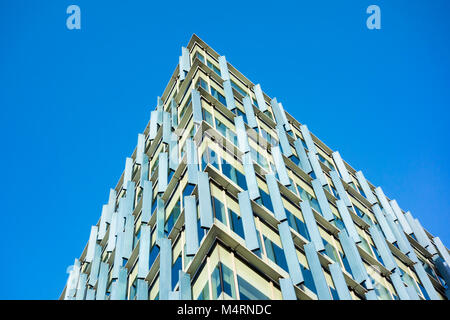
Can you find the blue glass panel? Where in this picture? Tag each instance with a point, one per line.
(297, 224)
(265, 200)
(214, 68)
(187, 191)
(309, 281)
(219, 211)
(174, 214)
(330, 251)
(236, 223)
(346, 264)
(176, 267)
(248, 292)
(275, 253)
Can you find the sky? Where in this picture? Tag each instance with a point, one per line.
(72, 103)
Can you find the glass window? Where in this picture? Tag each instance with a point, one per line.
(154, 251)
(222, 280)
(133, 289)
(155, 167)
(338, 223)
(265, 200)
(238, 89)
(325, 162)
(137, 236)
(309, 281)
(345, 262)
(213, 67)
(297, 224)
(249, 292)
(201, 232)
(228, 281)
(215, 283)
(295, 160)
(269, 114)
(202, 83)
(330, 250)
(183, 110)
(187, 259)
(200, 57)
(173, 216)
(219, 210)
(305, 196)
(258, 158)
(208, 117)
(410, 281)
(362, 192)
(357, 211)
(365, 245)
(210, 157)
(204, 294)
(238, 112)
(233, 174)
(226, 132)
(334, 294)
(176, 267)
(377, 255)
(304, 144)
(270, 140)
(275, 253)
(171, 173)
(218, 96)
(236, 223)
(187, 191)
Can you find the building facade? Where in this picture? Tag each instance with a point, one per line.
(227, 196)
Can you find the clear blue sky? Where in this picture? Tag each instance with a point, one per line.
(73, 102)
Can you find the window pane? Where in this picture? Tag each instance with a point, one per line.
(236, 223)
(248, 292)
(176, 271)
(215, 281)
(219, 211)
(228, 281)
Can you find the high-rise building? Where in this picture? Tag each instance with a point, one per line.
(227, 196)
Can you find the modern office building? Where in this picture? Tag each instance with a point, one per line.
(227, 196)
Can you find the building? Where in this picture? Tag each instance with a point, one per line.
(227, 196)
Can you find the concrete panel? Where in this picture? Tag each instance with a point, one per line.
(339, 281)
(275, 197)
(365, 187)
(165, 270)
(248, 221)
(147, 199)
(91, 244)
(250, 176)
(260, 98)
(302, 156)
(322, 199)
(163, 172)
(191, 234)
(144, 251)
(248, 107)
(323, 292)
(341, 167)
(290, 253)
(287, 289)
(280, 166)
(204, 195)
(311, 225)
